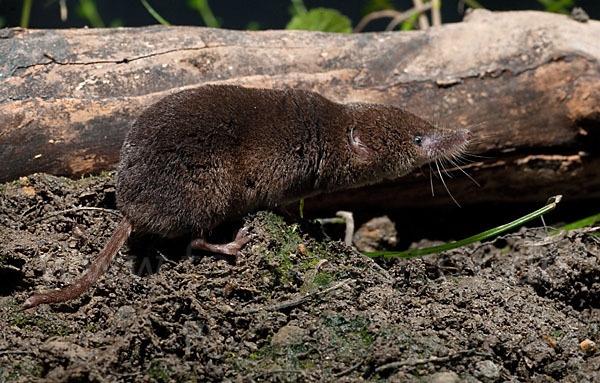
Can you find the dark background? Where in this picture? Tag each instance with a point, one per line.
(234, 14)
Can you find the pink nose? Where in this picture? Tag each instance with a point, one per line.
(468, 135)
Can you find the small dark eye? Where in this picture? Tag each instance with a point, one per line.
(417, 140)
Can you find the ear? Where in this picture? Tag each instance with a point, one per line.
(357, 145)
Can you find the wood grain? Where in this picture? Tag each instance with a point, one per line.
(526, 83)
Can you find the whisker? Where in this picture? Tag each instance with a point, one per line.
(444, 183)
(431, 180)
(464, 172)
(476, 156)
(443, 164)
(459, 159)
(471, 126)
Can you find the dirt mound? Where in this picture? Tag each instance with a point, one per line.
(295, 306)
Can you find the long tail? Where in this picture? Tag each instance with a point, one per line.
(99, 266)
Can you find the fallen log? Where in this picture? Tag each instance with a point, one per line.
(526, 83)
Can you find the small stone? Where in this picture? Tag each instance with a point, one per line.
(578, 14)
(126, 312)
(377, 234)
(445, 377)
(225, 309)
(28, 190)
(288, 335)
(487, 370)
(588, 347)
(556, 368)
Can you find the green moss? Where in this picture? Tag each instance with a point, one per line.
(38, 370)
(22, 369)
(10, 376)
(293, 256)
(297, 356)
(46, 323)
(347, 336)
(309, 263)
(160, 371)
(290, 256)
(287, 256)
(254, 356)
(20, 320)
(349, 332)
(323, 279)
(557, 333)
(307, 364)
(366, 336)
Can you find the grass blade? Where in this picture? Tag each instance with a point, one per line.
(25, 13)
(587, 221)
(413, 253)
(154, 14)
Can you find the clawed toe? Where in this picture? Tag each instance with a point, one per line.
(231, 248)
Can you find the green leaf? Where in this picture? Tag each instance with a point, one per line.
(321, 19)
(377, 5)
(409, 24)
(253, 26)
(87, 9)
(116, 23)
(557, 6)
(2, 22)
(297, 8)
(473, 4)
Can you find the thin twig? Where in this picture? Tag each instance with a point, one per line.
(30, 210)
(349, 219)
(329, 221)
(349, 369)
(16, 352)
(436, 13)
(299, 301)
(79, 208)
(270, 372)
(432, 359)
(374, 16)
(401, 17)
(397, 17)
(423, 22)
(167, 260)
(312, 273)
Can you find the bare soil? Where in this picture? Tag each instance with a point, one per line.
(295, 306)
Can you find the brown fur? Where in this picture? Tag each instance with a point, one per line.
(206, 155)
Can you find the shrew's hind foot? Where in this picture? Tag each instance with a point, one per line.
(230, 248)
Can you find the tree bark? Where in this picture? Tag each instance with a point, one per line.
(526, 83)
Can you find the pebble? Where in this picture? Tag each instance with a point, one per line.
(445, 377)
